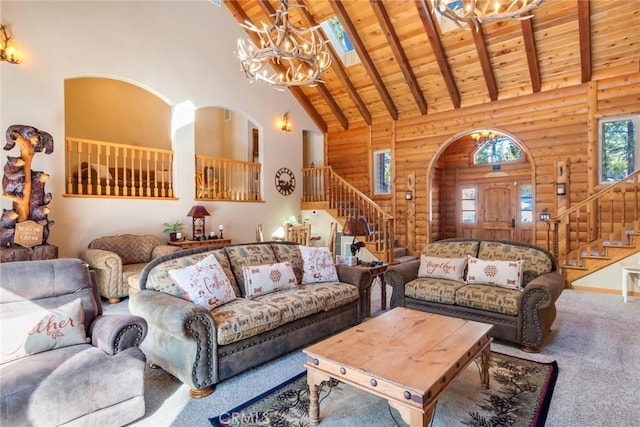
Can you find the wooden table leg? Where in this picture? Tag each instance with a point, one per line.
(314, 379)
(485, 360)
(413, 417)
(383, 292)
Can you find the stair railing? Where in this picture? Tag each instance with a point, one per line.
(322, 184)
(605, 218)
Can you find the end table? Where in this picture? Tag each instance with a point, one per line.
(376, 271)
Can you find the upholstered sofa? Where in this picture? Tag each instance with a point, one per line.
(202, 346)
(117, 258)
(63, 362)
(522, 311)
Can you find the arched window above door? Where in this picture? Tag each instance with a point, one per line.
(494, 147)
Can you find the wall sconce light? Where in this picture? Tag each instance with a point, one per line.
(285, 124)
(561, 189)
(8, 52)
(545, 215)
(408, 195)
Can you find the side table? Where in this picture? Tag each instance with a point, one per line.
(184, 244)
(628, 269)
(376, 271)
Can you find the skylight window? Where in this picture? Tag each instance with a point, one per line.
(447, 24)
(340, 41)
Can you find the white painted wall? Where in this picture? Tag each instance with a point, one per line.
(180, 50)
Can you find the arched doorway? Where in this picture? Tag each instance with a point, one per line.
(481, 185)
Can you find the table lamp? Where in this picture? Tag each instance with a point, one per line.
(197, 213)
(356, 227)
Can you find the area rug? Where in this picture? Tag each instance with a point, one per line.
(520, 395)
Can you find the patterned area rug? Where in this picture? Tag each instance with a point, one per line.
(520, 394)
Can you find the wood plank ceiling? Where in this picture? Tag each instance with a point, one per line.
(409, 67)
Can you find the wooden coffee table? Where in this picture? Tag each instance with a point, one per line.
(405, 356)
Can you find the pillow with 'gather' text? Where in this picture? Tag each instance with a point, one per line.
(442, 268)
(318, 265)
(204, 283)
(262, 279)
(42, 330)
(507, 274)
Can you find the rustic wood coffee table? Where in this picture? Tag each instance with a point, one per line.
(405, 356)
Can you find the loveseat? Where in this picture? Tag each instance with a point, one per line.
(63, 362)
(117, 258)
(282, 300)
(511, 285)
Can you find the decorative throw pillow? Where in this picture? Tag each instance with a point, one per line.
(442, 268)
(507, 274)
(318, 265)
(204, 283)
(43, 330)
(262, 279)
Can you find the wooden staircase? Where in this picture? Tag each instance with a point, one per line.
(598, 231)
(325, 190)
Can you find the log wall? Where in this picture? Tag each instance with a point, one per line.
(555, 125)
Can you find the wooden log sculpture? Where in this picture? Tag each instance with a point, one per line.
(21, 185)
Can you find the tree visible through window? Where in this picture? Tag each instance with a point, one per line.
(498, 150)
(382, 172)
(618, 147)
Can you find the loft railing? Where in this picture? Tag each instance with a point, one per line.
(607, 217)
(108, 169)
(322, 184)
(226, 179)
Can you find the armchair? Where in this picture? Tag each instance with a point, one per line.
(117, 258)
(75, 365)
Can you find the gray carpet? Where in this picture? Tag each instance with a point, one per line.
(595, 340)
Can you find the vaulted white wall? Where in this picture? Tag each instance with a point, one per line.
(182, 51)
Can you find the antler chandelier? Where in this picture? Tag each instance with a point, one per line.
(477, 12)
(299, 55)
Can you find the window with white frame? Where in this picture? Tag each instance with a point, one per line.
(618, 138)
(382, 172)
(468, 199)
(526, 203)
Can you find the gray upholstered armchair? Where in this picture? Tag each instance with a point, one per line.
(63, 361)
(115, 259)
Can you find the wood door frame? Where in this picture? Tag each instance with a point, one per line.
(432, 169)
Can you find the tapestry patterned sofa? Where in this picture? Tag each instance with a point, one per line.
(215, 312)
(117, 258)
(511, 285)
(63, 362)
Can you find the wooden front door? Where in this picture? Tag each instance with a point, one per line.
(497, 214)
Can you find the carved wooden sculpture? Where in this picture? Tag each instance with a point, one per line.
(21, 185)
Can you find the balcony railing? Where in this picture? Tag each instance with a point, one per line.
(226, 179)
(108, 169)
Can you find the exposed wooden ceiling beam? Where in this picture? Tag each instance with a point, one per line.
(336, 65)
(367, 62)
(424, 10)
(322, 89)
(584, 30)
(237, 11)
(398, 52)
(485, 62)
(532, 54)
